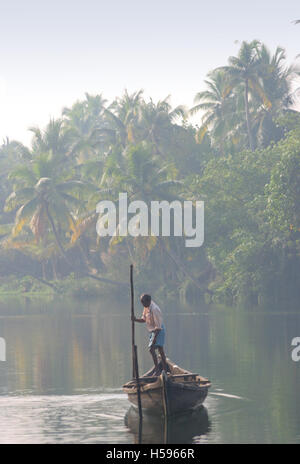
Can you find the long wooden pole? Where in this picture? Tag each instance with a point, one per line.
(138, 394)
(135, 365)
(132, 322)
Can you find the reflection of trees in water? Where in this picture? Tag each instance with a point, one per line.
(64, 351)
(184, 428)
(62, 346)
(249, 357)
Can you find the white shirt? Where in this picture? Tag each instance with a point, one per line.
(153, 317)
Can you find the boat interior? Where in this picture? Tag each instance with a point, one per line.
(174, 372)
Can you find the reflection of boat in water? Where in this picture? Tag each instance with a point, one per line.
(177, 391)
(178, 429)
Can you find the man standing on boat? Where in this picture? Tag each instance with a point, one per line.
(152, 316)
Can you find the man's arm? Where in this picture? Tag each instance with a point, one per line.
(136, 319)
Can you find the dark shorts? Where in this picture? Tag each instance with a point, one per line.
(160, 340)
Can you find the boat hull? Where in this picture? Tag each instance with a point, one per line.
(171, 394)
(180, 398)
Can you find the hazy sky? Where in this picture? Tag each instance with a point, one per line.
(52, 52)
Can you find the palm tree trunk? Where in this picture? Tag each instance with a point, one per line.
(54, 269)
(84, 254)
(45, 282)
(222, 147)
(61, 248)
(101, 279)
(44, 270)
(246, 97)
(181, 266)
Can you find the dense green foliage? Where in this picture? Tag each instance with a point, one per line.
(243, 161)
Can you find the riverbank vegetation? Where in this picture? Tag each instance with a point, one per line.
(243, 160)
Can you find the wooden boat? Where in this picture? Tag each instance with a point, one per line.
(175, 392)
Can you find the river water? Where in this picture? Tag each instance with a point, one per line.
(66, 362)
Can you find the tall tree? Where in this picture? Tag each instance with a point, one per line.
(221, 109)
(243, 70)
(44, 199)
(85, 122)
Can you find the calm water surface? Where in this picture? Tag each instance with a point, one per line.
(67, 360)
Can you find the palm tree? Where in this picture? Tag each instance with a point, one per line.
(277, 80)
(157, 122)
(127, 107)
(256, 83)
(11, 154)
(276, 77)
(44, 200)
(85, 122)
(54, 138)
(122, 115)
(243, 70)
(140, 174)
(221, 108)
